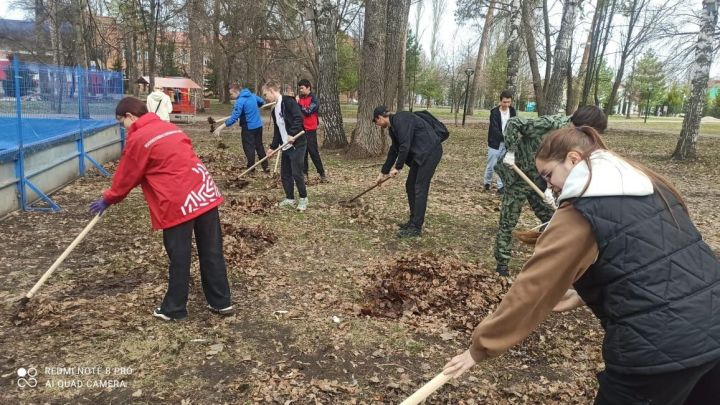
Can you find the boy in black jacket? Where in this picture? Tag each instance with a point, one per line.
(499, 117)
(288, 121)
(415, 143)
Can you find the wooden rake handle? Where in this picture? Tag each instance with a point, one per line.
(62, 257)
(528, 181)
(277, 161)
(427, 389)
(266, 157)
(369, 189)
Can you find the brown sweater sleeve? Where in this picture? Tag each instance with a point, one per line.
(563, 252)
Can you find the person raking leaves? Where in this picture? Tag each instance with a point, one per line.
(522, 137)
(183, 200)
(622, 243)
(417, 144)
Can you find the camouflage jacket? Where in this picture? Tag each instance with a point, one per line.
(523, 136)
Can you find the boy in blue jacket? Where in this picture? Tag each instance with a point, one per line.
(246, 110)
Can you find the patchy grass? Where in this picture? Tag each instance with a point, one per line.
(291, 273)
(669, 125)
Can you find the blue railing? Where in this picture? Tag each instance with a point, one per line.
(41, 104)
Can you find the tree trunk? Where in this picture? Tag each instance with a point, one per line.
(623, 57)
(325, 28)
(537, 82)
(397, 18)
(548, 47)
(513, 49)
(585, 74)
(196, 9)
(418, 17)
(574, 96)
(628, 90)
(480, 61)
(609, 108)
(150, 21)
(55, 37)
(570, 89)
(438, 8)
(553, 95)
(401, 72)
(131, 63)
(81, 55)
(603, 32)
(686, 145)
(367, 139)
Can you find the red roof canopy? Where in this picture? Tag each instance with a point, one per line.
(170, 82)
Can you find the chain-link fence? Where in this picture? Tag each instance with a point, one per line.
(41, 103)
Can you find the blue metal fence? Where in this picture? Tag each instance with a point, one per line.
(43, 104)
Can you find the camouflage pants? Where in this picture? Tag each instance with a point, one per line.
(512, 203)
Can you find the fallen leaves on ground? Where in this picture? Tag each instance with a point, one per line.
(433, 288)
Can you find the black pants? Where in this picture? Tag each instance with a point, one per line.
(291, 171)
(314, 152)
(178, 245)
(417, 186)
(252, 143)
(694, 386)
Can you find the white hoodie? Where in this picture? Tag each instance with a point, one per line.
(611, 176)
(159, 103)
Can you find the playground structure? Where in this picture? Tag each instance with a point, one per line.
(179, 90)
(55, 123)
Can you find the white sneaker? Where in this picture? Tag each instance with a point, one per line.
(222, 311)
(286, 203)
(302, 204)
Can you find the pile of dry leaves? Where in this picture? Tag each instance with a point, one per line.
(260, 204)
(243, 243)
(427, 286)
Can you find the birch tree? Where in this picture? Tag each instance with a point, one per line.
(686, 145)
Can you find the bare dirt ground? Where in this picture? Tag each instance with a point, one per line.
(332, 307)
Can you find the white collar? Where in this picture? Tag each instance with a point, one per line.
(611, 176)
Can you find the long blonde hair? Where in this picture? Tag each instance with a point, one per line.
(586, 140)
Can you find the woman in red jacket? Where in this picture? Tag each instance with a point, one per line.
(182, 198)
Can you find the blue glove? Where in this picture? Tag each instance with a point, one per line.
(98, 207)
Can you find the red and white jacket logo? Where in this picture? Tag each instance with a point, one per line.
(202, 197)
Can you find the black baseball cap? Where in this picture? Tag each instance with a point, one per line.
(379, 110)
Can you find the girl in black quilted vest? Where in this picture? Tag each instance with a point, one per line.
(622, 243)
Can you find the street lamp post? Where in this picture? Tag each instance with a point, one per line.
(468, 72)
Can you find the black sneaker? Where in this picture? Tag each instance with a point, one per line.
(224, 311)
(324, 179)
(409, 232)
(157, 313)
(501, 191)
(403, 225)
(502, 270)
(487, 187)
